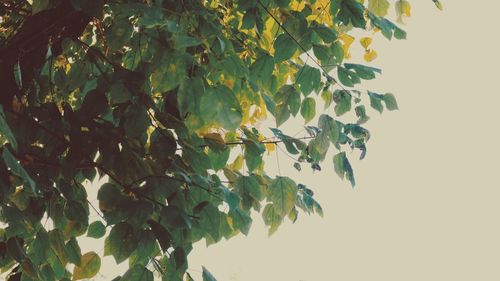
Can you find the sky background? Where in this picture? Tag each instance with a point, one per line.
(426, 204)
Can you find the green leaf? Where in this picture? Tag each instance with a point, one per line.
(327, 34)
(308, 78)
(119, 94)
(119, 33)
(376, 101)
(390, 102)
(89, 267)
(219, 105)
(56, 241)
(38, 250)
(363, 71)
(262, 69)
(174, 217)
(361, 114)
(241, 220)
(347, 77)
(329, 126)
(18, 170)
(253, 154)
(318, 147)
(210, 221)
(96, 230)
(351, 11)
(338, 164)
(189, 98)
(343, 102)
(207, 276)
(183, 41)
(121, 242)
(284, 47)
(283, 193)
(249, 185)
(308, 109)
(74, 252)
(343, 167)
(136, 273)
(5, 129)
(169, 73)
(379, 7)
(272, 218)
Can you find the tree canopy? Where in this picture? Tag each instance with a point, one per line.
(165, 99)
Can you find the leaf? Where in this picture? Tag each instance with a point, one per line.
(308, 109)
(136, 273)
(361, 114)
(438, 4)
(343, 102)
(272, 218)
(207, 276)
(169, 73)
(379, 7)
(90, 266)
(376, 101)
(327, 34)
(250, 186)
(329, 127)
(240, 220)
(283, 193)
(403, 9)
(5, 129)
(121, 242)
(347, 77)
(18, 170)
(74, 252)
(390, 102)
(351, 11)
(284, 48)
(220, 105)
(343, 167)
(365, 42)
(262, 69)
(210, 221)
(363, 71)
(370, 55)
(174, 217)
(308, 78)
(56, 241)
(162, 235)
(96, 230)
(183, 41)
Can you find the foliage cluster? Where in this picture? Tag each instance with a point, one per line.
(165, 98)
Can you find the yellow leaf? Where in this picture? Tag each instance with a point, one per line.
(90, 265)
(365, 42)
(347, 40)
(403, 9)
(237, 163)
(270, 147)
(379, 7)
(370, 55)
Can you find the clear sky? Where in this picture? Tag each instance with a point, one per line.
(426, 205)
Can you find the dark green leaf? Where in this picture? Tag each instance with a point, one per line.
(96, 230)
(284, 47)
(121, 242)
(5, 129)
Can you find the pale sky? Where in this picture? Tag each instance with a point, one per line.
(426, 204)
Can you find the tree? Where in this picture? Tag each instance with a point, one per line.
(164, 99)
